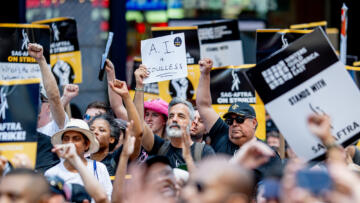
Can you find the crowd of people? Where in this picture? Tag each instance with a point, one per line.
(154, 151)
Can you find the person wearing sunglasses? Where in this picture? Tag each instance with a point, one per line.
(96, 108)
(237, 128)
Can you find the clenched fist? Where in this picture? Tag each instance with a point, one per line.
(35, 51)
(205, 65)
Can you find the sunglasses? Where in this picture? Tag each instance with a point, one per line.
(238, 119)
(87, 117)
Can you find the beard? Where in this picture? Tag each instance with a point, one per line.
(173, 130)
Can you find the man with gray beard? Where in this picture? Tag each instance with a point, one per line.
(180, 118)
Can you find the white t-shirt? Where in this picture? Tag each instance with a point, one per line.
(51, 128)
(101, 174)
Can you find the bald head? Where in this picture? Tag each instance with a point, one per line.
(216, 180)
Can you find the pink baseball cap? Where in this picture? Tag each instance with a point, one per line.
(157, 105)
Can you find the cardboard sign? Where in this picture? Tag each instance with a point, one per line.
(164, 57)
(303, 79)
(191, 40)
(229, 85)
(19, 103)
(65, 58)
(15, 62)
(269, 41)
(221, 42)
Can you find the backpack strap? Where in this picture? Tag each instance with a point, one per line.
(95, 170)
(164, 148)
(199, 148)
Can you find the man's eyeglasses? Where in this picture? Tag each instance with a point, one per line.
(238, 119)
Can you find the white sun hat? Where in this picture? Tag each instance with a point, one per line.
(81, 126)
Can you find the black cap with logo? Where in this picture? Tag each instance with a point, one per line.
(241, 109)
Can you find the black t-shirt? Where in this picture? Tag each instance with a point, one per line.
(111, 161)
(45, 159)
(219, 135)
(175, 154)
(356, 158)
(221, 143)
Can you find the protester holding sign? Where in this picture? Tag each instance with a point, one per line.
(181, 115)
(240, 121)
(156, 110)
(52, 104)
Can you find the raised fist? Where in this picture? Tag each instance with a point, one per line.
(71, 91)
(35, 51)
(119, 87)
(205, 65)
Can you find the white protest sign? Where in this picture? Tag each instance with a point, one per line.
(164, 57)
(307, 78)
(221, 42)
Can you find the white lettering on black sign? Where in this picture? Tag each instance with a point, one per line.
(213, 32)
(12, 132)
(62, 46)
(288, 68)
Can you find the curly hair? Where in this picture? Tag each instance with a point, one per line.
(114, 127)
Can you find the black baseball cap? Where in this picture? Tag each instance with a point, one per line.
(78, 193)
(241, 109)
(58, 186)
